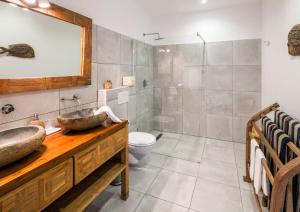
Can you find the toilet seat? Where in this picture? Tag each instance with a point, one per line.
(141, 139)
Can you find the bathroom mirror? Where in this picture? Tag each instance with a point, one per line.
(43, 49)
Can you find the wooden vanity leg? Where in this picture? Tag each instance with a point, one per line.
(125, 176)
(125, 173)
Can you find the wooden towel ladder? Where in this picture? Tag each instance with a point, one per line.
(285, 172)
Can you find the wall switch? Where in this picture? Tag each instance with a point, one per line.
(129, 81)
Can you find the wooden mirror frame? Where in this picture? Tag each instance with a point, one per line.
(17, 85)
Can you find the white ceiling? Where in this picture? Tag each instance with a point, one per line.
(162, 7)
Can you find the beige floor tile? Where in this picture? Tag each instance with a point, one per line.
(220, 172)
(216, 197)
(243, 185)
(141, 178)
(189, 150)
(239, 146)
(165, 146)
(240, 157)
(171, 135)
(219, 143)
(152, 204)
(182, 166)
(192, 138)
(154, 159)
(248, 200)
(111, 202)
(219, 154)
(173, 187)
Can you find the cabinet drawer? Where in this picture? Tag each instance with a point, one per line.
(120, 139)
(25, 198)
(105, 150)
(85, 163)
(56, 182)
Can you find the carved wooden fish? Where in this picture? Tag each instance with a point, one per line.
(18, 50)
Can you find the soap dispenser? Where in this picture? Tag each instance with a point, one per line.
(37, 121)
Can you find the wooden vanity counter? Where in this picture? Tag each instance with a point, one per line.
(68, 157)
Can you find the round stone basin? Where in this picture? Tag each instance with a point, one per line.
(81, 120)
(19, 142)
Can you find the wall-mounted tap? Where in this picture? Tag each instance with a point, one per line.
(8, 108)
(75, 98)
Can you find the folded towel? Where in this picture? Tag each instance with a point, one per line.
(108, 111)
(258, 172)
(254, 145)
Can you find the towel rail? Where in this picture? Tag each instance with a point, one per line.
(284, 173)
(283, 177)
(269, 148)
(268, 171)
(294, 148)
(254, 119)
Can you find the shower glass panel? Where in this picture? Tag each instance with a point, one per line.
(179, 97)
(143, 71)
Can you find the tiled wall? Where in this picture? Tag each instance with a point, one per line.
(209, 94)
(113, 58)
(188, 91)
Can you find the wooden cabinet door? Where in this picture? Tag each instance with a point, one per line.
(56, 182)
(85, 163)
(24, 198)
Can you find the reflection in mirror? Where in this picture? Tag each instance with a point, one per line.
(56, 45)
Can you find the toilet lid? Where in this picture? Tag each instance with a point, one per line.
(141, 139)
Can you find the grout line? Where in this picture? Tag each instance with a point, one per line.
(139, 203)
(235, 158)
(167, 201)
(194, 189)
(180, 173)
(202, 156)
(158, 173)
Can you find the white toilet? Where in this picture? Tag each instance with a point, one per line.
(140, 145)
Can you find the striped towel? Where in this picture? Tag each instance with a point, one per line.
(268, 128)
(289, 125)
(278, 140)
(292, 128)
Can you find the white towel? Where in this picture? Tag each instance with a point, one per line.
(265, 183)
(108, 111)
(258, 171)
(254, 145)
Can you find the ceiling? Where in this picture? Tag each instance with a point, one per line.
(164, 7)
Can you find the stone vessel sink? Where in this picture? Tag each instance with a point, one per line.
(81, 120)
(19, 142)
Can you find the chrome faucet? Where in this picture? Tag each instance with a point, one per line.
(8, 108)
(76, 98)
